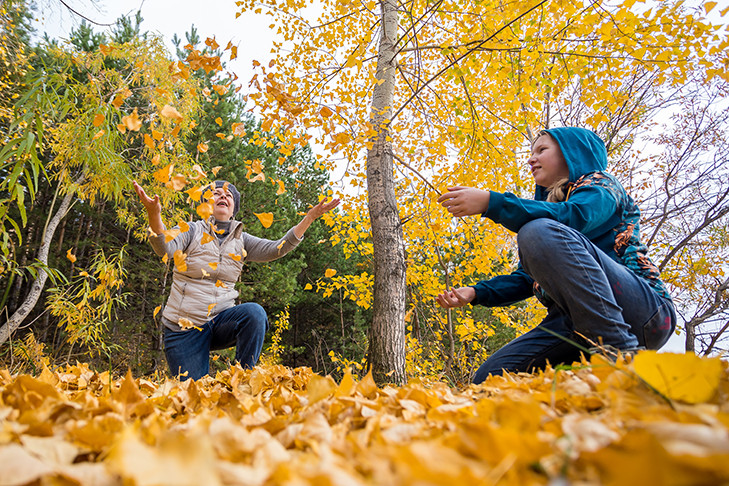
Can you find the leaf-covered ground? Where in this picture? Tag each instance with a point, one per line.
(662, 419)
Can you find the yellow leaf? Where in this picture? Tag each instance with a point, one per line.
(170, 234)
(98, 135)
(117, 101)
(266, 219)
(121, 128)
(165, 258)
(234, 256)
(213, 265)
(186, 323)
(155, 159)
(219, 283)
(709, 6)
(98, 119)
(132, 122)
(216, 169)
(177, 182)
(184, 227)
(206, 238)
(330, 272)
(156, 310)
(202, 147)
(156, 135)
(210, 308)
(281, 188)
(204, 210)
(180, 262)
(148, 141)
(308, 286)
(163, 175)
(71, 256)
(170, 112)
(326, 112)
(219, 121)
(195, 193)
(684, 377)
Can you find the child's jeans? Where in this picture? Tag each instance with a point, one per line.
(593, 296)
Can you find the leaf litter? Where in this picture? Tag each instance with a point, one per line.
(592, 423)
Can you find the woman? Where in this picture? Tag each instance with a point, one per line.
(580, 254)
(200, 314)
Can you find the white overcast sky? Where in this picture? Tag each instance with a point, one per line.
(249, 32)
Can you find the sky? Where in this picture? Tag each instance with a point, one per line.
(249, 32)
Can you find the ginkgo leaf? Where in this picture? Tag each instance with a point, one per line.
(266, 219)
(98, 119)
(71, 256)
(330, 272)
(259, 177)
(204, 273)
(180, 262)
(170, 112)
(221, 90)
(121, 128)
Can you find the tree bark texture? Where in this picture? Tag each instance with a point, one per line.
(31, 299)
(386, 353)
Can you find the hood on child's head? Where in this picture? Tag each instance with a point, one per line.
(583, 150)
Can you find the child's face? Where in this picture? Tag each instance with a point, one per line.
(547, 162)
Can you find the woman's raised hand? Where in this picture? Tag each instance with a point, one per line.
(152, 205)
(324, 206)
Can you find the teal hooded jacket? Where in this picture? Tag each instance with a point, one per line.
(597, 206)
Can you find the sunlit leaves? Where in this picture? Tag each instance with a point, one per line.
(684, 377)
(168, 111)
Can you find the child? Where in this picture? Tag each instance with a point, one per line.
(580, 254)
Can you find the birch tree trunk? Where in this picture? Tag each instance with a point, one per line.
(12, 324)
(386, 353)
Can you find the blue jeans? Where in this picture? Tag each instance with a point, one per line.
(243, 326)
(593, 296)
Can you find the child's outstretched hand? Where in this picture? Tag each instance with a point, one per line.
(465, 201)
(456, 297)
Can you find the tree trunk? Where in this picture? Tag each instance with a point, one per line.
(386, 353)
(31, 299)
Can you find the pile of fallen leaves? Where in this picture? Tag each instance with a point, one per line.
(662, 419)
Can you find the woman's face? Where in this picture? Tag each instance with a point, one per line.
(223, 204)
(547, 162)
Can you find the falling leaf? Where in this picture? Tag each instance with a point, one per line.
(266, 219)
(281, 188)
(180, 262)
(204, 210)
(148, 142)
(308, 287)
(219, 121)
(177, 182)
(99, 134)
(202, 147)
(233, 52)
(186, 323)
(709, 6)
(210, 42)
(216, 169)
(234, 256)
(71, 256)
(155, 159)
(170, 235)
(221, 90)
(211, 307)
(184, 227)
(206, 238)
(170, 112)
(157, 135)
(156, 311)
(98, 120)
(195, 193)
(117, 101)
(326, 112)
(219, 283)
(132, 122)
(163, 175)
(121, 128)
(330, 272)
(213, 265)
(165, 258)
